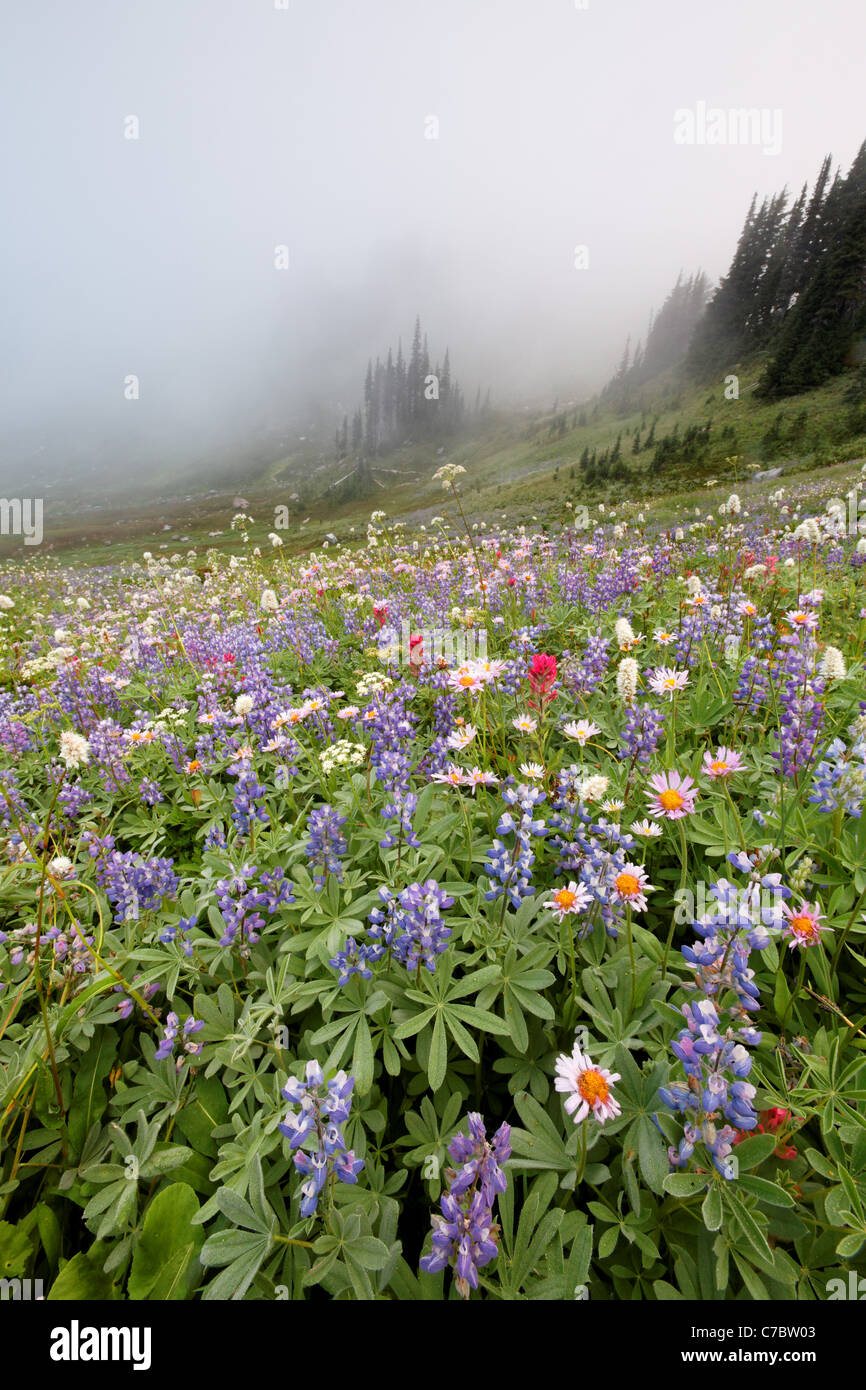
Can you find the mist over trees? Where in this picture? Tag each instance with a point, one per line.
(796, 287)
(406, 400)
(795, 292)
(667, 340)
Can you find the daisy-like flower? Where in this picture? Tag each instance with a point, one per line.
(477, 778)
(574, 897)
(466, 678)
(803, 925)
(525, 724)
(461, 738)
(348, 712)
(747, 609)
(581, 730)
(631, 886)
(612, 807)
(454, 777)
(649, 829)
(672, 796)
(588, 1088)
(723, 764)
(532, 771)
(667, 681)
(489, 671)
(798, 617)
(663, 637)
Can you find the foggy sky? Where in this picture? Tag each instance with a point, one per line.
(305, 127)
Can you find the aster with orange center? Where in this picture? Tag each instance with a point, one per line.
(803, 925)
(723, 764)
(588, 1088)
(631, 886)
(571, 899)
(672, 796)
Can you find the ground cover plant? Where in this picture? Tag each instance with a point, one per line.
(471, 913)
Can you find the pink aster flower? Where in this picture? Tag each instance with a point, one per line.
(672, 796)
(631, 886)
(573, 898)
(588, 1087)
(803, 925)
(723, 764)
(667, 681)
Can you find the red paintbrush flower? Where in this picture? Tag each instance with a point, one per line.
(541, 676)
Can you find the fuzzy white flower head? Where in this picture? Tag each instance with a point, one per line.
(6, 602)
(593, 788)
(243, 704)
(832, 666)
(623, 632)
(74, 749)
(269, 601)
(627, 679)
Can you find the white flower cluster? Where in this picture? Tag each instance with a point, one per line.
(372, 683)
(343, 753)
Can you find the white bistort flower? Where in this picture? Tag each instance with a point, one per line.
(74, 749)
(832, 666)
(627, 679)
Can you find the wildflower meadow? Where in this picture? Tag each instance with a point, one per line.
(521, 960)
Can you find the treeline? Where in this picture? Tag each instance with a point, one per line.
(668, 336)
(795, 291)
(796, 287)
(403, 399)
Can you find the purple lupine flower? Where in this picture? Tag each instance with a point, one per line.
(321, 1115)
(465, 1235)
(326, 843)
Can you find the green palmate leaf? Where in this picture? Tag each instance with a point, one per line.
(438, 1061)
(165, 1264)
(752, 1152)
(685, 1184)
(711, 1210)
(652, 1153)
(15, 1250)
(83, 1279)
(362, 1061)
(766, 1190)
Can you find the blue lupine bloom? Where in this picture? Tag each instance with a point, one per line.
(174, 1035)
(355, 960)
(321, 1116)
(326, 844)
(465, 1235)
